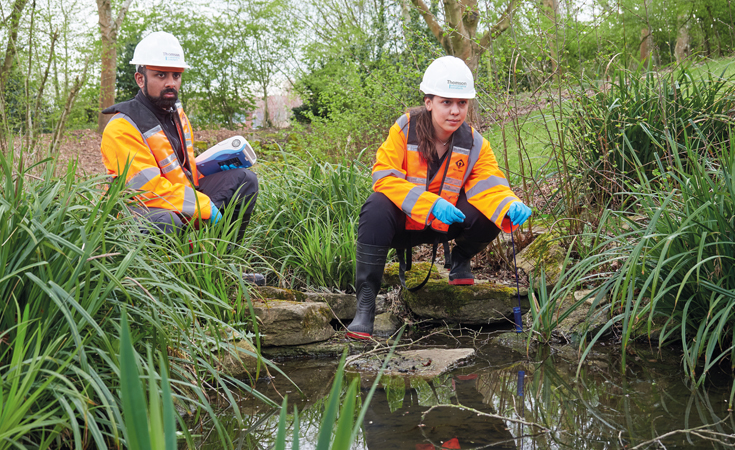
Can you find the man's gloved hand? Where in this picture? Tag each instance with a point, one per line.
(231, 166)
(216, 215)
(446, 212)
(518, 213)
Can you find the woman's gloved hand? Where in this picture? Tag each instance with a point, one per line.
(518, 213)
(446, 212)
(216, 215)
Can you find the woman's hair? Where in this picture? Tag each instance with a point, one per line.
(421, 119)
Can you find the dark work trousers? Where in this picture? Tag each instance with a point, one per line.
(382, 223)
(235, 188)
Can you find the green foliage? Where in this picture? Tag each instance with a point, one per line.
(668, 270)
(623, 127)
(306, 220)
(72, 260)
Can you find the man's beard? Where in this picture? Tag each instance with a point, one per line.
(163, 103)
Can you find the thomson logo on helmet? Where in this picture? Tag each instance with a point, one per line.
(460, 83)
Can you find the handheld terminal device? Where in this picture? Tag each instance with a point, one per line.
(235, 150)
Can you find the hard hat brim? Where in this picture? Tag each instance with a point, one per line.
(166, 69)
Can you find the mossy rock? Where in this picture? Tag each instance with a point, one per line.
(200, 146)
(280, 294)
(473, 305)
(545, 251)
(414, 277)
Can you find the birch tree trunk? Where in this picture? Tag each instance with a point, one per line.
(108, 33)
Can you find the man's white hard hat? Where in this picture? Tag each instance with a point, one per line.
(159, 49)
(448, 77)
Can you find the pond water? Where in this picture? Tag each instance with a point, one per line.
(505, 399)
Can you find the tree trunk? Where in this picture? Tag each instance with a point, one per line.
(682, 48)
(12, 48)
(459, 35)
(646, 45)
(267, 122)
(108, 34)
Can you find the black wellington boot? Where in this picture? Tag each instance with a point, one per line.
(464, 250)
(370, 261)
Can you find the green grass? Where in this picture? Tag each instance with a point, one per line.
(72, 261)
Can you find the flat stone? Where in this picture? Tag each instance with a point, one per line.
(271, 292)
(284, 322)
(424, 363)
(479, 304)
(386, 324)
(332, 348)
(343, 305)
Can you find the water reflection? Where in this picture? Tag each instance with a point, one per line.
(488, 401)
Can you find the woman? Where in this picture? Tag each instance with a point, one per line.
(435, 179)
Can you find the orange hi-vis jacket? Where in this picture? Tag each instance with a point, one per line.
(401, 174)
(135, 136)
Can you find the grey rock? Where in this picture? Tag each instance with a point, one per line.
(241, 362)
(424, 363)
(386, 324)
(292, 323)
(343, 305)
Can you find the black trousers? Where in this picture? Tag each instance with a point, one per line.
(235, 188)
(382, 223)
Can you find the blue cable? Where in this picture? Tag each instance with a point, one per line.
(516, 309)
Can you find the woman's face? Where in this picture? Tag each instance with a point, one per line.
(447, 114)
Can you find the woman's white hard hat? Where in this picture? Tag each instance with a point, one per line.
(159, 49)
(448, 77)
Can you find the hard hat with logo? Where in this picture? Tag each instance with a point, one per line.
(160, 50)
(448, 77)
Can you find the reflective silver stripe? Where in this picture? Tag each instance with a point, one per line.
(413, 196)
(488, 183)
(450, 188)
(402, 121)
(461, 151)
(412, 147)
(417, 180)
(500, 207)
(474, 154)
(151, 132)
(453, 181)
(387, 173)
(187, 136)
(173, 166)
(142, 178)
(189, 207)
(167, 161)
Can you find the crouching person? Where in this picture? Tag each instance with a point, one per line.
(435, 179)
(152, 135)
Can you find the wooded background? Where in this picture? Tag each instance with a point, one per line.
(355, 64)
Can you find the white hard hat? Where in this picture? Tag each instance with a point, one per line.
(448, 77)
(159, 49)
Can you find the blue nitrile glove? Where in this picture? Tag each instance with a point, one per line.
(446, 212)
(216, 215)
(518, 213)
(231, 166)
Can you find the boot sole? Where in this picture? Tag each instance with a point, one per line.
(462, 282)
(358, 335)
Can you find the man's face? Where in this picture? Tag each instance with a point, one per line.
(161, 87)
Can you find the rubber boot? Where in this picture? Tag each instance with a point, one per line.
(370, 261)
(461, 270)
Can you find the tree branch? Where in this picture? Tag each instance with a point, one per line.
(431, 21)
(500, 26)
(121, 16)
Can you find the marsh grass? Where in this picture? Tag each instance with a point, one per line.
(72, 259)
(668, 270)
(307, 216)
(616, 126)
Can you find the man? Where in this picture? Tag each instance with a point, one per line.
(152, 137)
